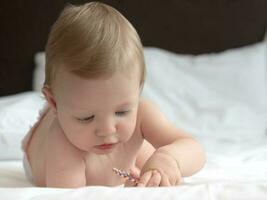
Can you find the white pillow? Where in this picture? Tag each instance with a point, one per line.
(39, 71)
(17, 113)
(220, 96)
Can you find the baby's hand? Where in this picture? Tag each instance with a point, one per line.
(161, 169)
(135, 173)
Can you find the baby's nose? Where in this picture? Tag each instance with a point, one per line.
(106, 128)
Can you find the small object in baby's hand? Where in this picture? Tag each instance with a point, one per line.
(125, 175)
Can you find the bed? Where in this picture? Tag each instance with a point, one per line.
(206, 69)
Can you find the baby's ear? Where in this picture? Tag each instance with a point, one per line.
(49, 97)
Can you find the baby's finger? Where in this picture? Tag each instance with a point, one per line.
(179, 181)
(155, 179)
(165, 181)
(144, 179)
(129, 184)
(135, 174)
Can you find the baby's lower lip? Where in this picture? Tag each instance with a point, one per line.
(106, 146)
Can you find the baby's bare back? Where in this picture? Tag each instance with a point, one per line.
(97, 167)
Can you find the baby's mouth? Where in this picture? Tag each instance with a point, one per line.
(106, 146)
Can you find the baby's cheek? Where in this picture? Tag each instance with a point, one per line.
(80, 137)
(126, 129)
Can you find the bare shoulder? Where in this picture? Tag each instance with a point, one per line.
(145, 109)
(149, 116)
(65, 166)
(58, 143)
(149, 111)
(156, 127)
(144, 104)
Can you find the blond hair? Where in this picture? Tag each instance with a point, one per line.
(92, 40)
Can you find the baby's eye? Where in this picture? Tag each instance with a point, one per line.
(121, 113)
(86, 119)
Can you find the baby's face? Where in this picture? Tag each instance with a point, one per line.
(97, 114)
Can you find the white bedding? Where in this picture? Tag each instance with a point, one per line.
(220, 98)
(242, 176)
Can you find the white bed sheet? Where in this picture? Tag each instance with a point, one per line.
(242, 175)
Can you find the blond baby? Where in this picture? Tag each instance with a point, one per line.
(95, 118)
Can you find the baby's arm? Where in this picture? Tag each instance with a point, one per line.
(65, 167)
(177, 153)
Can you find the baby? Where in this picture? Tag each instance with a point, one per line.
(95, 119)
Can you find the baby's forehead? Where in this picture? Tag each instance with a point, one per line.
(68, 83)
(79, 101)
(131, 71)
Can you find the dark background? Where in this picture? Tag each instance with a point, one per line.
(182, 26)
